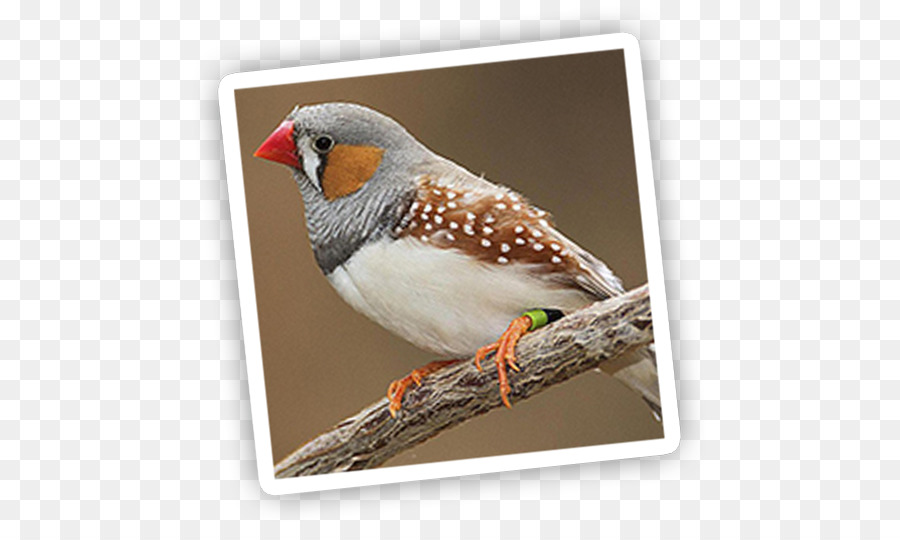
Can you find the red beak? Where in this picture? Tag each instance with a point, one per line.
(280, 147)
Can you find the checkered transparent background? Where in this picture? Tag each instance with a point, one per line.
(124, 408)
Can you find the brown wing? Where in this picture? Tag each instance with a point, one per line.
(499, 226)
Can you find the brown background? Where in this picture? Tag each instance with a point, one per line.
(555, 129)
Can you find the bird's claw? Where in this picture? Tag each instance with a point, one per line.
(398, 388)
(505, 356)
(483, 352)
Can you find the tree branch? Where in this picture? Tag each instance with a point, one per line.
(581, 341)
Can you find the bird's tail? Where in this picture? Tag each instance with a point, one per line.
(637, 370)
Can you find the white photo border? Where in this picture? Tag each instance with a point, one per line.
(247, 291)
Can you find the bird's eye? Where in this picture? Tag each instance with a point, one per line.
(323, 144)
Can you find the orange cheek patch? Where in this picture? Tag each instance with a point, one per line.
(348, 168)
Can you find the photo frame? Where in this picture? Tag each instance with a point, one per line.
(546, 120)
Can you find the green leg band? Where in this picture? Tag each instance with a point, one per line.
(538, 318)
(542, 317)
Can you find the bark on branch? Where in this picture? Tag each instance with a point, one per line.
(581, 341)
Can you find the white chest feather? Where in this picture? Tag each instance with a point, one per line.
(440, 299)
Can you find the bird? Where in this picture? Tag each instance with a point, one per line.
(455, 264)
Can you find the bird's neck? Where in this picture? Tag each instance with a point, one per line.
(339, 227)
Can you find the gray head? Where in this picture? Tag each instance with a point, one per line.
(356, 169)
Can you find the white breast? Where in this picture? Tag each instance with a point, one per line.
(440, 299)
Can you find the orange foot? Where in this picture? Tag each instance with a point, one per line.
(506, 353)
(398, 388)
